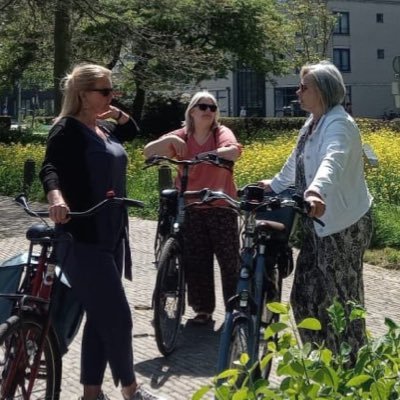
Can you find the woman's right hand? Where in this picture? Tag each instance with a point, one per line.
(58, 209)
(58, 213)
(179, 145)
(265, 184)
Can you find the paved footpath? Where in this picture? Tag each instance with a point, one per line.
(192, 364)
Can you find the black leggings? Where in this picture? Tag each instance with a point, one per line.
(95, 276)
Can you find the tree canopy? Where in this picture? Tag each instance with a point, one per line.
(152, 45)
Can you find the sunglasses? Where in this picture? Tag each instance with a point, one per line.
(105, 91)
(302, 87)
(203, 107)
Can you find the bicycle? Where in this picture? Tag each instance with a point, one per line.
(30, 347)
(169, 292)
(266, 259)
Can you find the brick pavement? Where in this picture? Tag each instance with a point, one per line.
(192, 364)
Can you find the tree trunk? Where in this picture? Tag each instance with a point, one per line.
(138, 103)
(62, 48)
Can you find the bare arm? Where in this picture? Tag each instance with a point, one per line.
(168, 145)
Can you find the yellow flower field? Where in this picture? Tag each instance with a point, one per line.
(262, 157)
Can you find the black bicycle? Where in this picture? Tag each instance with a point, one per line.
(169, 291)
(31, 343)
(266, 259)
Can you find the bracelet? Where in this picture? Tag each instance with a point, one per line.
(119, 116)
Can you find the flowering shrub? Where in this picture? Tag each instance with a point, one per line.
(263, 155)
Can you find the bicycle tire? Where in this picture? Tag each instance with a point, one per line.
(169, 297)
(19, 335)
(272, 293)
(239, 344)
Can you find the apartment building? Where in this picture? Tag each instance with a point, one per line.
(363, 46)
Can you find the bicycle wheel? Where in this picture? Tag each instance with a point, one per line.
(273, 290)
(169, 297)
(239, 345)
(19, 343)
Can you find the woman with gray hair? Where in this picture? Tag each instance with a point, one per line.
(327, 168)
(212, 229)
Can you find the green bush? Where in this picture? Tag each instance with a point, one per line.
(311, 372)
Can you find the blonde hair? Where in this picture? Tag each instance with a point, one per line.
(197, 97)
(83, 77)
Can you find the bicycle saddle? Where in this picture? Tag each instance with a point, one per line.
(39, 231)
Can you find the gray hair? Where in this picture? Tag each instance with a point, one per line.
(329, 82)
(197, 97)
(83, 77)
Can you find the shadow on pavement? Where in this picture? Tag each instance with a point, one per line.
(195, 355)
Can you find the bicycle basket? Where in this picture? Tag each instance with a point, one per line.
(285, 215)
(10, 276)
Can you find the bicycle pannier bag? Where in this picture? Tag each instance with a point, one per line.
(10, 276)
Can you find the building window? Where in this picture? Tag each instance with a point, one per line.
(381, 54)
(379, 18)
(342, 26)
(341, 58)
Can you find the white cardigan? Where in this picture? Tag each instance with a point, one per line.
(334, 168)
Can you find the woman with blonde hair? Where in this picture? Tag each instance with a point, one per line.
(207, 230)
(84, 162)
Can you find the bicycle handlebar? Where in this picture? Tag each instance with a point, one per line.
(208, 158)
(22, 201)
(269, 202)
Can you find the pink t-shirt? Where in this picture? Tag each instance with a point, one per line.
(207, 175)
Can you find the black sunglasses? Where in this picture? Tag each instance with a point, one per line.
(203, 107)
(302, 87)
(105, 92)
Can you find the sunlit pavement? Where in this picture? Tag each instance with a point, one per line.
(193, 363)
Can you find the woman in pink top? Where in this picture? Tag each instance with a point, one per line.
(208, 230)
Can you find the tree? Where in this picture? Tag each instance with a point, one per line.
(154, 45)
(313, 23)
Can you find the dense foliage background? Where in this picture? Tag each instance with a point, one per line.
(263, 155)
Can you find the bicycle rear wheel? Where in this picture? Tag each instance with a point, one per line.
(19, 343)
(169, 297)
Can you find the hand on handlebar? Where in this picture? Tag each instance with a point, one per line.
(316, 206)
(58, 213)
(265, 184)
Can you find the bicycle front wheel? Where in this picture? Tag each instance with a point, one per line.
(19, 345)
(169, 296)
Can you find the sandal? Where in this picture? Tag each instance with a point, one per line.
(202, 319)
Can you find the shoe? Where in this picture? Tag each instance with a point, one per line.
(202, 319)
(143, 394)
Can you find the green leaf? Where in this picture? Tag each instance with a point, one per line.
(380, 390)
(391, 324)
(244, 359)
(241, 394)
(358, 380)
(274, 329)
(265, 360)
(278, 308)
(326, 356)
(201, 392)
(228, 373)
(310, 323)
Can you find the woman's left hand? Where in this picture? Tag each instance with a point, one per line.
(317, 206)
